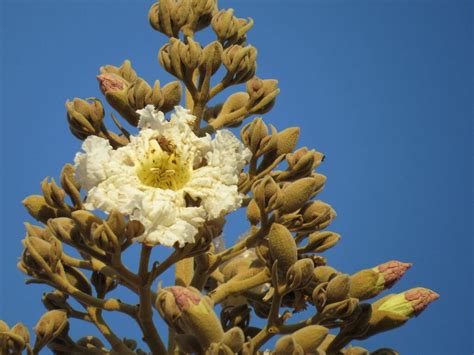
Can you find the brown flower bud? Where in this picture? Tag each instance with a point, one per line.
(296, 194)
(340, 309)
(77, 279)
(169, 17)
(300, 274)
(320, 241)
(287, 140)
(368, 283)
(37, 249)
(171, 96)
(267, 194)
(103, 284)
(287, 345)
(282, 247)
(253, 212)
(227, 116)
(253, 133)
(392, 311)
(323, 273)
(240, 63)
(125, 71)
(84, 117)
(22, 331)
(115, 89)
(317, 215)
(267, 99)
(234, 338)
(203, 11)
(38, 208)
(225, 25)
(211, 58)
(310, 337)
(50, 325)
(85, 220)
(187, 311)
(55, 300)
(338, 288)
(301, 163)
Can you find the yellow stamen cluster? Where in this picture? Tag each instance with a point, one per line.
(162, 167)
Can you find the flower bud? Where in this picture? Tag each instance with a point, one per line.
(85, 220)
(171, 96)
(287, 345)
(368, 283)
(225, 25)
(169, 17)
(301, 163)
(38, 208)
(185, 309)
(253, 133)
(255, 89)
(77, 279)
(115, 89)
(338, 288)
(310, 337)
(296, 194)
(287, 140)
(211, 58)
(320, 241)
(234, 338)
(340, 309)
(240, 63)
(282, 247)
(84, 117)
(37, 249)
(253, 213)
(267, 194)
(324, 273)
(392, 311)
(125, 71)
(317, 215)
(267, 99)
(300, 274)
(50, 325)
(202, 11)
(55, 300)
(227, 116)
(103, 284)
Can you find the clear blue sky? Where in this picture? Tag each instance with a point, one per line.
(383, 88)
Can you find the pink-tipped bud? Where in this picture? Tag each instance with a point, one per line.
(392, 271)
(420, 298)
(184, 297)
(110, 82)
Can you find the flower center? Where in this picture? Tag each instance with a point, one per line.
(162, 168)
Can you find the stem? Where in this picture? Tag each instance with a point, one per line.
(145, 311)
(114, 341)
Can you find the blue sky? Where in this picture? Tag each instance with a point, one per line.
(383, 88)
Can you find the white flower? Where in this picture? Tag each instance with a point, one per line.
(167, 178)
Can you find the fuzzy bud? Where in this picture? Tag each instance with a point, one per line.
(240, 63)
(296, 194)
(287, 345)
(310, 337)
(84, 117)
(185, 309)
(368, 283)
(300, 274)
(282, 247)
(392, 311)
(50, 325)
(338, 288)
(211, 58)
(320, 241)
(38, 208)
